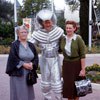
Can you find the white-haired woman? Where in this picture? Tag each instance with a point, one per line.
(22, 58)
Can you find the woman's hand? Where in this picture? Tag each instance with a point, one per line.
(28, 66)
(82, 73)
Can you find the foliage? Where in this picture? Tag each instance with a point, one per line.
(95, 78)
(61, 22)
(98, 4)
(30, 8)
(4, 49)
(93, 72)
(6, 41)
(74, 6)
(6, 10)
(38, 70)
(94, 67)
(38, 49)
(6, 32)
(94, 49)
(6, 22)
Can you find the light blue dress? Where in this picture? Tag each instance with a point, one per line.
(19, 90)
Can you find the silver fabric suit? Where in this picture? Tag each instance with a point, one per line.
(50, 66)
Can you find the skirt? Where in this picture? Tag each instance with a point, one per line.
(19, 90)
(70, 73)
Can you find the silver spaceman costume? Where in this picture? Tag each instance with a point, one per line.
(50, 66)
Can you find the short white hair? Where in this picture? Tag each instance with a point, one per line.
(21, 27)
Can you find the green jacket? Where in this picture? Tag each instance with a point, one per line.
(77, 49)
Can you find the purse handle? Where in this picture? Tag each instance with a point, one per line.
(81, 78)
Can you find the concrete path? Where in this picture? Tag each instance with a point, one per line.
(4, 82)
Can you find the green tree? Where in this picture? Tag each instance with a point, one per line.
(6, 22)
(6, 32)
(6, 10)
(98, 5)
(74, 6)
(31, 7)
(61, 22)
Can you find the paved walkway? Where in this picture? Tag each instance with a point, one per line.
(4, 81)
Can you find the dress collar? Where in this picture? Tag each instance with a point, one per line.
(73, 37)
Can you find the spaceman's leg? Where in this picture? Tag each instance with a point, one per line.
(57, 89)
(56, 82)
(45, 78)
(45, 88)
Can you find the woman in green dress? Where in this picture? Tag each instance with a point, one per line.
(73, 49)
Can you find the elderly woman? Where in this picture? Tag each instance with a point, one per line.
(73, 50)
(22, 59)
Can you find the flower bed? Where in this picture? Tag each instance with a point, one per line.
(93, 73)
(4, 49)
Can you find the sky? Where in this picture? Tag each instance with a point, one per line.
(59, 4)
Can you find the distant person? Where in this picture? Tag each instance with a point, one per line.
(73, 49)
(22, 59)
(47, 38)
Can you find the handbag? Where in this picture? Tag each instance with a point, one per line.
(31, 78)
(83, 87)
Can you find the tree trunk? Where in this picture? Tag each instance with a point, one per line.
(84, 19)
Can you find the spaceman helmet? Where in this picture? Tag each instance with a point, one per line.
(44, 15)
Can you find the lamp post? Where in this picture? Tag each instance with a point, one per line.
(52, 6)
(15, 18)
(90, 24)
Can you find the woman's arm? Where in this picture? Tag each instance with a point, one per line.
(82, 72)
(82, 55)
(35, 59)
(13, 59)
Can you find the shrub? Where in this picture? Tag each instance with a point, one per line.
(93, 72)
(94, 49)
(6, 41)
(4, 49)
(94, 67)
(38, 70)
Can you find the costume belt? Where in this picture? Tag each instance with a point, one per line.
(49, 53)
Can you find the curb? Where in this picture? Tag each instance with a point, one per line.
(87, 55)
(3, 55)
(92, 55)
(96, 86)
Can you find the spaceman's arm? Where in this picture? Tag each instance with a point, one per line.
(34, 41)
